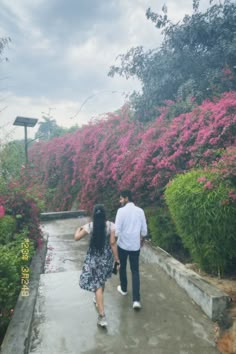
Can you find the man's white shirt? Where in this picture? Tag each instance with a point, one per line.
(130, 225)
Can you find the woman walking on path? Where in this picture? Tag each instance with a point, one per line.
(101, 254)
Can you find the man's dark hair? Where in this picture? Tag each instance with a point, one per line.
(126, 194)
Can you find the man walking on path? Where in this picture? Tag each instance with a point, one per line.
(131, 228)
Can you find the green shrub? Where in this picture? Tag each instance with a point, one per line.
(16, 247)
(163, 231)
(9, 285)
(203, 208)
(11, 261)
(7, 229)
(26, 212)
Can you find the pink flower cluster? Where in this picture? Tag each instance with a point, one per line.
(208, 185)
(2, 211)
(118, 152)
(232, 195)
(202, 179)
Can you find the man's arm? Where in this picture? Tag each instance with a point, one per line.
(118, 223)
(143, 225)
(143, 231)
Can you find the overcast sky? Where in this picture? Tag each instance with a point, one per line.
(60, 54)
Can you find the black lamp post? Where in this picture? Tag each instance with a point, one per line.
(25, 122)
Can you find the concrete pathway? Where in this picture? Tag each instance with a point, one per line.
(65, 316)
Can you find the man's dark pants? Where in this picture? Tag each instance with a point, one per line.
(134, 267)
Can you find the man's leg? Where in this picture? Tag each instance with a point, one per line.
(134, 266)
(123, 254)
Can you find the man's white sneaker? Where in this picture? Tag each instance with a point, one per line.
(102, 321)
(136, 305)
(121, 291)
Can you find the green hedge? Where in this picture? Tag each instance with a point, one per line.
(205, 218)
(9, 285)
(163, 231)
(7, 229)
(10, 276)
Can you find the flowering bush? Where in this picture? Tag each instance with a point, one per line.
(22, 201)
(19, 220)
(88, 164)
(26, 214)
(102, 157)
(2, 211)
(226, 165)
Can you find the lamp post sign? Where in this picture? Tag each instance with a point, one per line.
(25, 122)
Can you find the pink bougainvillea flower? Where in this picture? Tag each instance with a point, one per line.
(208, 185)
(116, 152)
(201, 179)
(2, 211)
(232, 195)
(227, 71)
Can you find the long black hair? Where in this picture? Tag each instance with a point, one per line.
(97, 241)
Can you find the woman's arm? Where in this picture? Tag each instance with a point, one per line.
(114, 246)
(80, 233)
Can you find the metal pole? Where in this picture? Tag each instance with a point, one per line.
(26, 147)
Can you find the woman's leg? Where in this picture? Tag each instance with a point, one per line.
(99, 300)
(100, 306)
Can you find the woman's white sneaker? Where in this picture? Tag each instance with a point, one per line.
(102, 321)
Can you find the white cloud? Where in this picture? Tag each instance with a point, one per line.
(35, 108)
(61, 53)
(65, 112)
(89, 55)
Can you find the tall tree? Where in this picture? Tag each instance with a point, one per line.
(47, 127)
(197, 58)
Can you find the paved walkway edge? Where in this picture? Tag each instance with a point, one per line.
(62, 215)
(212, 301)
(16, 339)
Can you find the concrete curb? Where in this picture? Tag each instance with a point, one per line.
(62, 215)
(212, 301)
(16, 339)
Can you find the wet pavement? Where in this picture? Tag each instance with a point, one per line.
(65, 316)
